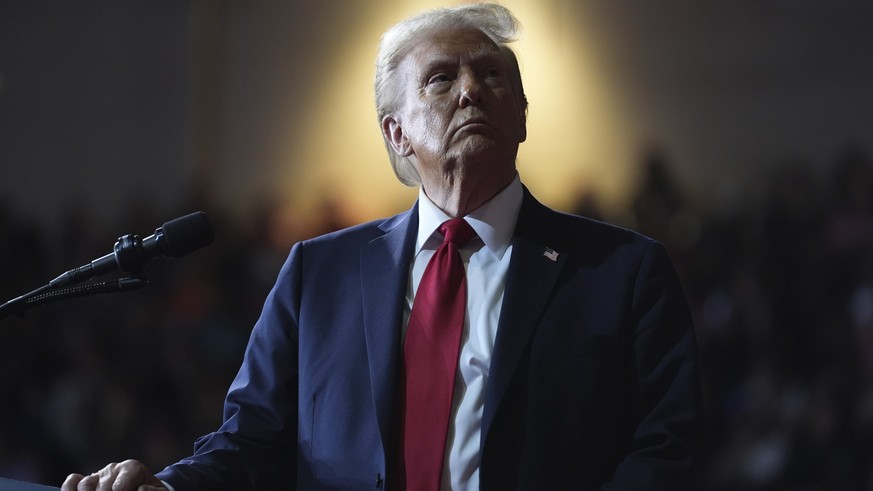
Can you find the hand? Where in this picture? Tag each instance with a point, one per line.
(130, 475)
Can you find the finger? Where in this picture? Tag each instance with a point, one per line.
(132, 473)
(128, 477)
(107, 477)
(151, 488)
(88, 483)
(71, 482)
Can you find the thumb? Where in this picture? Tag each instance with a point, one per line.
(151, 488)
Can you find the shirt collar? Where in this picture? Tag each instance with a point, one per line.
(493, 222)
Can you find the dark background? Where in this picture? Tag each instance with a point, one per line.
(116, 116)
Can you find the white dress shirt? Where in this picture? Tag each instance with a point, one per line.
(486, 259)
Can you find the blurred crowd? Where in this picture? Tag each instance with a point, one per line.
(780, 282)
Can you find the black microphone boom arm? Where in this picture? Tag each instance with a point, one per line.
(130, 254)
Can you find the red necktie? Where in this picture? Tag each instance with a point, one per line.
(433, 339)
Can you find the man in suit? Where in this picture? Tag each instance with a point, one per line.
(576, 366)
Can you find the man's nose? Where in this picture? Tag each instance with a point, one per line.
(471, 90)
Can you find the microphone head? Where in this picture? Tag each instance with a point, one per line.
(186, 234)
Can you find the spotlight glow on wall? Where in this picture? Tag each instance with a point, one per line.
(577, 138)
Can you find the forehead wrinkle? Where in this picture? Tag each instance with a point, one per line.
(480, 52)
(484, 50)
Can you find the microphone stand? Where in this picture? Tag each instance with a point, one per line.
(126, 256)
(130, 254)
(47, 293)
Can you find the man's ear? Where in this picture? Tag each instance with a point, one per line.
(394, 135)
(522, 126)
(522, 130)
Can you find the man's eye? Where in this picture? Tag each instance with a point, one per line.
(439, 78)
(492, 73)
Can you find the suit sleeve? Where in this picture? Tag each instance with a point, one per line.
(255, 447)
(668, 439)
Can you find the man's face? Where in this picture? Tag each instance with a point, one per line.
(458, 110)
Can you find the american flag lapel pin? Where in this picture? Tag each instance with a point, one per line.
(551, 254)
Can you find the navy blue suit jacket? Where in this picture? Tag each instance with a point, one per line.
(593, 382)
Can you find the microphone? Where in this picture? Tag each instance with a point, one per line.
(130, 253)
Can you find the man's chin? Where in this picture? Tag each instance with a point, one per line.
(472, 144)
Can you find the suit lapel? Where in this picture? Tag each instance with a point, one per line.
(533, 270)
(384, 271)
